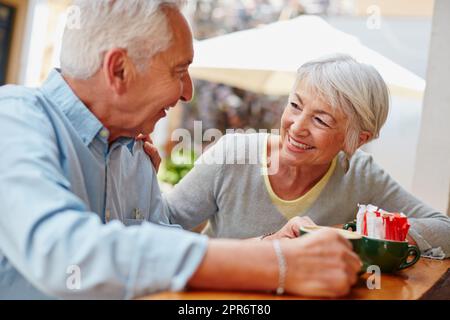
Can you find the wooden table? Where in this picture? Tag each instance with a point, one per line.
(408, 284)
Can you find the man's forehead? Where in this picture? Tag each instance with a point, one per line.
(181, 50)
(184, 53)
(183, 56)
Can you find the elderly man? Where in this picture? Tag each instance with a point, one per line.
(80, 207)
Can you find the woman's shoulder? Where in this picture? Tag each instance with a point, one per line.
(239, 148)
(249, 138)
(361, 159)
(362, 166)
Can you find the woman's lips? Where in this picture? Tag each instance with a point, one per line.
(297, 146)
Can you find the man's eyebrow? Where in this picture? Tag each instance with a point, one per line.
(184, 64)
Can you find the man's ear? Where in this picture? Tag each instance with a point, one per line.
(364, 137)
(115, 67)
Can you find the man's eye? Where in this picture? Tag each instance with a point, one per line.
(182, 73)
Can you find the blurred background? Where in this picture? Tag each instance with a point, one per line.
(234, 50)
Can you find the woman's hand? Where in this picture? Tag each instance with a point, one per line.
(291, 229)
(411, 241)
(150, 150)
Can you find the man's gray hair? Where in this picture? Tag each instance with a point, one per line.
(138, 26)
(356, 88)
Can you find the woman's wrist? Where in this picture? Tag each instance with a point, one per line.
(268, 236)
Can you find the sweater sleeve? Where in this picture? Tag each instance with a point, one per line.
(429, 227)
(193, 200)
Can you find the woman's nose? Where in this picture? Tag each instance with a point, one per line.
(300, 126)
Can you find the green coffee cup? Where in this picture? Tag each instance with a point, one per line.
(389, 256)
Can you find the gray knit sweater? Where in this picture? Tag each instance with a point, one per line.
(231, 193)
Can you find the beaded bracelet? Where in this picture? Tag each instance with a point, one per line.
(266, 235)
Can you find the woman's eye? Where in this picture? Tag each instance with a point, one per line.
(294, 105)
(321, 122)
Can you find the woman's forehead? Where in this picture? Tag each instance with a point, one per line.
(317, 99)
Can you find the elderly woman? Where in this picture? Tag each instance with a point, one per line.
(311, 172)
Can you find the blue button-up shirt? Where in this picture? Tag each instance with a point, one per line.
(69, 200)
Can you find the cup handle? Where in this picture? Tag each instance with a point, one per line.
(350, 225)
(412, 250)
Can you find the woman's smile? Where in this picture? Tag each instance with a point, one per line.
(297, 146)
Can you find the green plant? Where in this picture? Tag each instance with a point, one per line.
(175, 167)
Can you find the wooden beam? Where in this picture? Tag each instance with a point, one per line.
(14, 62)
(432, 170)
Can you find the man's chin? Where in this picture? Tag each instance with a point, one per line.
(149, 126)
(148, 129)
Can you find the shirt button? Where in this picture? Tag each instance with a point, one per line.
(107, 215)
(137, 214)
(104, 133)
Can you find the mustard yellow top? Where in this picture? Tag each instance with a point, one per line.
(296, 207)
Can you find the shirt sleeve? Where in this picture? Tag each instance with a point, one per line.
(429, 228)
(45, 230)
(193, 200)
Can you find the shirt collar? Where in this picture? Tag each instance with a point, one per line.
(56, 89)
(103, 136)
(82, 119)
(127, 142)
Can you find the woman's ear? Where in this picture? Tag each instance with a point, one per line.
(364, 137)
(115, 68)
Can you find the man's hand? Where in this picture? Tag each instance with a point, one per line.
(320, 264)
(150, 150)
(291, 229)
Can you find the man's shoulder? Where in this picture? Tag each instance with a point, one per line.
(20, 99)
(23, 108)
(12, 92)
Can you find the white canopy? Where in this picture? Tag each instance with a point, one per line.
(265, 59)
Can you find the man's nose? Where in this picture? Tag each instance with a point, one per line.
(188, 88)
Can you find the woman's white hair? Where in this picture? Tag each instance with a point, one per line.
(138, 26)
(356, 88)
